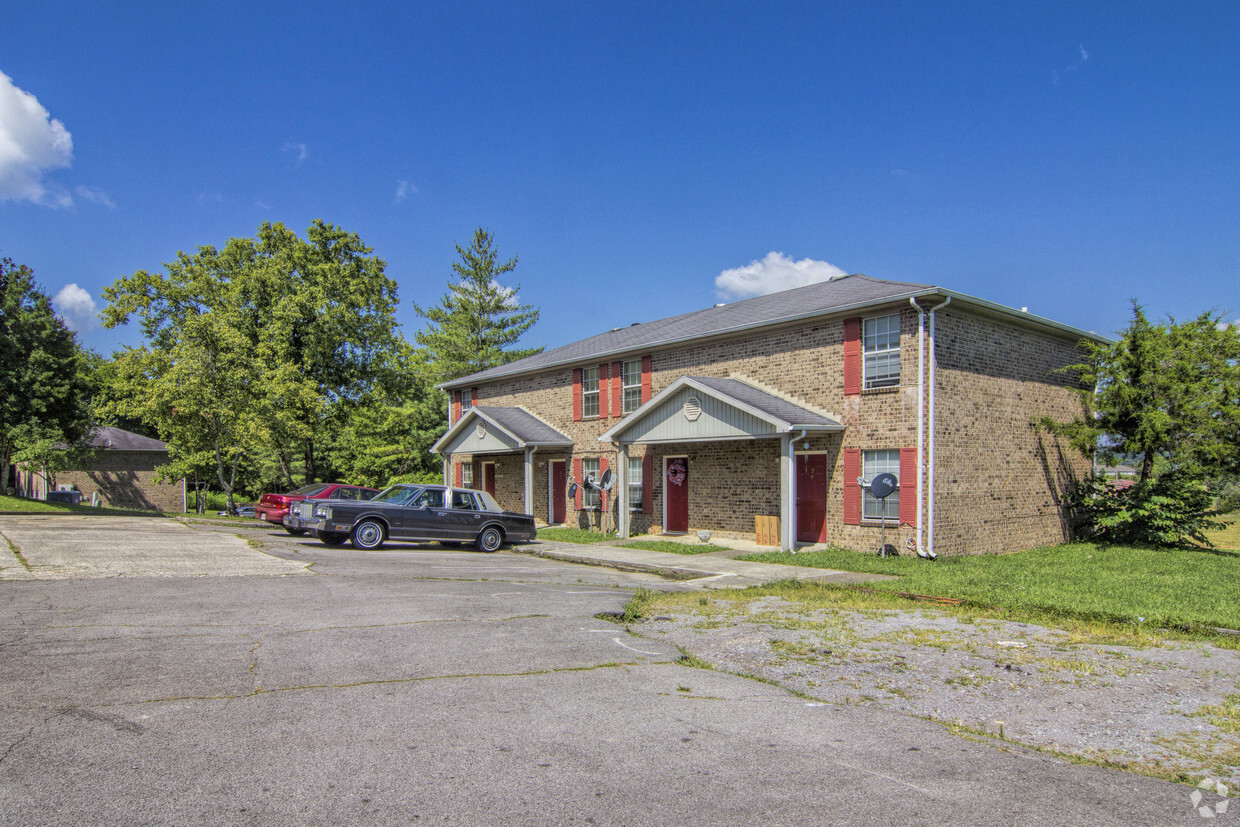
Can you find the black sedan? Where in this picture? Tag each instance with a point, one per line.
(418, 513)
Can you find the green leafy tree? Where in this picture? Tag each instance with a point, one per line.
(1166, 396)
(478, 319)
(286, 334)
(44, 387)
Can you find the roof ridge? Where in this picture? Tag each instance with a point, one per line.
(787, 397)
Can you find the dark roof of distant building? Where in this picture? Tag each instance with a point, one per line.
(118, 439)
(838, 295)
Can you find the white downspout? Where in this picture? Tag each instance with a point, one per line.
(621, 499)
(788, 497)
(921, 415)
(930, 471)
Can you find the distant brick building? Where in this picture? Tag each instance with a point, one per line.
(774, 406)
(122, 474)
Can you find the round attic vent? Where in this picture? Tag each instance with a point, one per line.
(693, 408)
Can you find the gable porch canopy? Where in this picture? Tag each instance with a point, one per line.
(708, 409)
(493, 430)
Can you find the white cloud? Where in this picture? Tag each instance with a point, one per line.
(403, 190)
(31, 143)
(296, 151)
(774, 273)
(76, 307)
(96, 196)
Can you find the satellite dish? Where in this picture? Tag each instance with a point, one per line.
(607, 480)
(883, 485)
(588, 483)
(572, 490)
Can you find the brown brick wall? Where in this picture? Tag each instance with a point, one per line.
(126, 479)
(998, 482)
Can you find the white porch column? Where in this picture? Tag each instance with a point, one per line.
(621, 499)
(529, 480)
(447, 469)
(787, 493)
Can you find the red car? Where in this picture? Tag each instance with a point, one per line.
(274, 507)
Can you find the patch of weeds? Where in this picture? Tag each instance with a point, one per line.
(694, 662)
(638, 605)
(1225, 716)
(672, 547)
(680, 688)
(923, 637)
(968, 679)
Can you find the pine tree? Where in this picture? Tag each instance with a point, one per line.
(478, 318)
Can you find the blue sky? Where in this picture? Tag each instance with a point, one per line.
(641, 159)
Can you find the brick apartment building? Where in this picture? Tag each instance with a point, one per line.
(774, 407)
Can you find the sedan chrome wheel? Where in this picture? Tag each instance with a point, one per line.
(368, 534)
(490, 539)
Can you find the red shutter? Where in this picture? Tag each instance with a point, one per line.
(648, 483)
(852, 491)
(577, 476)
(602, 392)
(645, 379)
(617, 389)
(456, 406)
(908, 486)
(602, 466)
(460, 475)
(577, 398)
(473, 397)
(852, 356)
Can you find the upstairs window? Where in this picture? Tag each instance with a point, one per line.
(631, 384)
(881, 345)
(467, 401)
(589, 393)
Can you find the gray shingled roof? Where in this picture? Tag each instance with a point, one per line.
(767, 403)
(116, 439)
(801, 302)
(524, 426)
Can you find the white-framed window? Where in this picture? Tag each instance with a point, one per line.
(467, 400)
(589, 394)
(631, 382)
(467, 475)
(875, 463)
(880, 338)
(635, 483)
(589, 496)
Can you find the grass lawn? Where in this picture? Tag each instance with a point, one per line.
(673, 547)
(21, 505)
(1171, 589)
(1228, 538)
(580, 536)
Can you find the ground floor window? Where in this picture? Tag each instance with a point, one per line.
(467, 475)
(589, 496)
(635, 483)
(875, 463)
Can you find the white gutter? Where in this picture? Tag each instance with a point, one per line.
(931, 425)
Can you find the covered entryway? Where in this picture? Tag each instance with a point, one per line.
(558, 492)
(811, 498)
(731, 411)
(485, 430)
(676, 499)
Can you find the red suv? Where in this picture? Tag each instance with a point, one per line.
(274, 507)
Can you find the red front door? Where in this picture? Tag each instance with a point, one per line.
(811, 498)
(676, 486)
(559, 492)
(488, 478)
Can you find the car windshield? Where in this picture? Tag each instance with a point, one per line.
(395, 494)
(311, 490)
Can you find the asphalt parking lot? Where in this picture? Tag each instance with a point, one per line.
(265, 679)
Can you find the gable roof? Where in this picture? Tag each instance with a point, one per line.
(838, 295)
(767, 414)
(521, 428)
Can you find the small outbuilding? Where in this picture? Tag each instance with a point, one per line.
(120, 474)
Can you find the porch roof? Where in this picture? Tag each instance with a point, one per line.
(709, 409)
(499, 430)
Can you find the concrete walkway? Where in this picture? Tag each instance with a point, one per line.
(709, 570)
